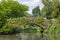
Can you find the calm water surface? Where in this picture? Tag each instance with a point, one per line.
(30, 36)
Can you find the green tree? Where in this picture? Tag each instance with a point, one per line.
(11, 9)
(36, 11)
(51, 8)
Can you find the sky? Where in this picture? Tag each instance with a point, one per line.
(31, 4)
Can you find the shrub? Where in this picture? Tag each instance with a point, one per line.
(8, 28)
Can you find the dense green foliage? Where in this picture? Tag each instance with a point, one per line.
(36, 11)
(11, 9)
(14, 18)
(51, 8)
(27, 24)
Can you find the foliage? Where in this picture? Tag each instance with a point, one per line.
(11, 9)
(36, 11)
(27, 28)
(23, 20)
(8, 28)
(53, 28)
(27, 24)
(51, 8)
(14, 18)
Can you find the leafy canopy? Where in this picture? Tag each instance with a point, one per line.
(11, 9)
(51, 8)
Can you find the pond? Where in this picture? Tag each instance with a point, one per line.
(30, 36)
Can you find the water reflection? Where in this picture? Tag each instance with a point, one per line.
(30, 36)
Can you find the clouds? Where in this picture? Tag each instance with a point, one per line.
(31, 3)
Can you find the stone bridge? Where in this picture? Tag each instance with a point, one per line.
(38, 21)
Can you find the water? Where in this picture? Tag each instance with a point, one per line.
(30, 36)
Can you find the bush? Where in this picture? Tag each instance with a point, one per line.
(8, 28)
(27, 28)
(53, 28)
